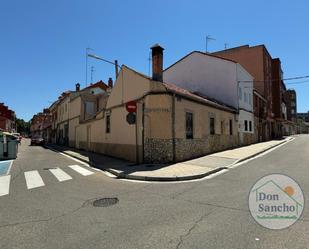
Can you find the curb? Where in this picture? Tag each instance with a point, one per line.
(143, 178)
(76, 157)
(260, 152)
(121, 175)
(163, 179)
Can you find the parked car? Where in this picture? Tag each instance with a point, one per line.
(18, 136)
(37, 140)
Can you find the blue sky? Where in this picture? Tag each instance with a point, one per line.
(43, 42)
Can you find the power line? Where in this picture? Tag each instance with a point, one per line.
(299, 82)
(287, 79)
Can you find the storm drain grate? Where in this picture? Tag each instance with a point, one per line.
(49, 168)
(105, 202)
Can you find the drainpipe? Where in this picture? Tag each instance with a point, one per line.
(143, 132)
(173, 128)
(136, 139)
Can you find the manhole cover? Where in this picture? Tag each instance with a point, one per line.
(105, 202)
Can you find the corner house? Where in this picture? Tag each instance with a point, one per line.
(169, 123)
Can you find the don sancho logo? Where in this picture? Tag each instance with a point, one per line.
(276, 201)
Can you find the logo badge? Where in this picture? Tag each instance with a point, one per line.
(276, 201)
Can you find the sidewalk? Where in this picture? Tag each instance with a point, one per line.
(188, 170)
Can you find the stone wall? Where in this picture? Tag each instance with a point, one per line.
(158, 150)
(161, 150)
(192, 148)
(249, 138)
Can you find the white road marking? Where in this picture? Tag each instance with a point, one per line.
(60, 174)
(33, 179)
(81, 170)
(5, 185)
(10, 168)
(260, 155)
(84, 163)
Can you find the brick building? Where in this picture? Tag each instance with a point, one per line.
(7, 119)
(291, 105)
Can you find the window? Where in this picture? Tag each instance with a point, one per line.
(189, 125)
(246, 97)
(231, 127)
(212, 126)
(250, 99)
(108, 124)
(240, 93)
(90, 108)
(222, 127)
(246, 125)
(250, 125)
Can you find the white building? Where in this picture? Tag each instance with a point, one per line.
(220, 80)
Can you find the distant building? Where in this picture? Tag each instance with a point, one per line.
(304, 116)
(7, 119)
(40, 125)
(291, 105)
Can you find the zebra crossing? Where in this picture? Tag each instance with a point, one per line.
(33, 178)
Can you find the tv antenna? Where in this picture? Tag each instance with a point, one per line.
(208, 39)
(87, 53)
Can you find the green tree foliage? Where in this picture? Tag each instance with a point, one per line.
(22, 126)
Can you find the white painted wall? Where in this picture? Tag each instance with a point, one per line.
(245, 116)
(245, 89)
(222, 80)
(214, 77)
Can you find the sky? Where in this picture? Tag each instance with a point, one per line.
(43, 43)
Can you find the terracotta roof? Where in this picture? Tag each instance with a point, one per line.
(186, 93)
(99, 84)
(199, 52)
(196, 96)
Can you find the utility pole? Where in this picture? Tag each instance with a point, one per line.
(87, 52)
(149, 63)
(92, 70)
(208, 38)
(225, 45)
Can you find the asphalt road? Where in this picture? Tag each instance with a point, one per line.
(210, 213)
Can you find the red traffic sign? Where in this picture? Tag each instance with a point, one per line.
(131, 106)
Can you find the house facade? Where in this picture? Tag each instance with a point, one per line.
(62, 129)
(258, 62)
(84, 106)
(222, 80)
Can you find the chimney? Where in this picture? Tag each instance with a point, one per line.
(110, 83)
(157, 62)
(77, 86)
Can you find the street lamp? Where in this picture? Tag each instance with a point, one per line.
(115, 63)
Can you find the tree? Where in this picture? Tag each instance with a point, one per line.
(22, 126)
